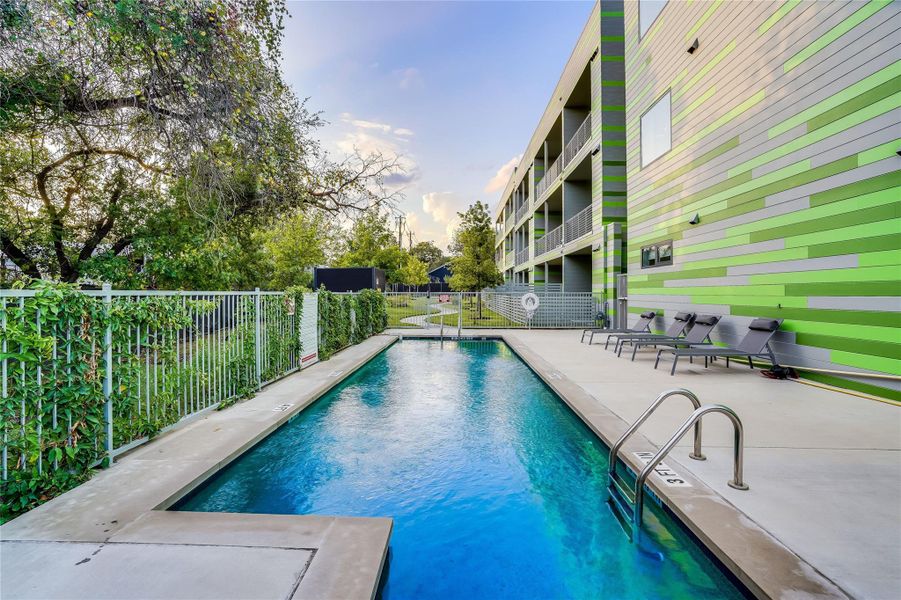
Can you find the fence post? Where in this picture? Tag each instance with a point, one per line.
(257, 348)
(459, 314)
(108, 374)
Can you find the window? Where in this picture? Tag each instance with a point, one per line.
(657, 255)
(656, 131)
(647, 13)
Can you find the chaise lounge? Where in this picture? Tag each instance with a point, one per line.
(756, 343)
(675, 331)
(643, 324)
(698, 334)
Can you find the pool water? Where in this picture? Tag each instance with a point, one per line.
(496, 488)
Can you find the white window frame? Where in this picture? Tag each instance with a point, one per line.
(669, 147)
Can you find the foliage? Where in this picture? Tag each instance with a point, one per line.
(474, 268)
(53, 413)
(295, 245)
(429, 253)
(413, 272)
(119, 118)
(346, 319)
(371, 243)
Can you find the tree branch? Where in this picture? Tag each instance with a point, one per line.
(19, 258)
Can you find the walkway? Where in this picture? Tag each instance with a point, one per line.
(423, 320)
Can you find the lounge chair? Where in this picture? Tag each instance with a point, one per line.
(674, 331)
(643, 324)
(756, 343)
(698, 334)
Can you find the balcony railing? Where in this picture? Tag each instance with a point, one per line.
(509, 259)
(552, 239)
(522, 256)
(552, 173)
(578, 225)
(521, 211)
(572, 148)
(577, 141)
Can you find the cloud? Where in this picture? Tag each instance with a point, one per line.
(403, 131)
(500, 179)
(408, 78)
(440, 206)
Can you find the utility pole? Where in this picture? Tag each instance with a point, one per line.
(409, 239)
(400, 230)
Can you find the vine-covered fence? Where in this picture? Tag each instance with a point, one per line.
(87, 375)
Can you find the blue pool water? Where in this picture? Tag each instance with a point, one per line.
(496, 488)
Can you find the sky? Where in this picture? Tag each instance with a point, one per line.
(454, 89)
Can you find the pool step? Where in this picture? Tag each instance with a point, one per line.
(622, 503)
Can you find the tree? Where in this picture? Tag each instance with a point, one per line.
(295, 245)
(429, 253)
(370, 242)
(413, 272)
(113, 113)
(473, 267)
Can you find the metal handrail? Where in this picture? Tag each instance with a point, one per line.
(737, 453)
(696, 454)
(578, 225)
(577, 141)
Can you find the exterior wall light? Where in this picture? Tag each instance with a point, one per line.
(695, 219)
(596, 150)
(694, 46)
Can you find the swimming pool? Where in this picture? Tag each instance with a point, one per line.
(496, 488)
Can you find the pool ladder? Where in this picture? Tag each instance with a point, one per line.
(629, 501)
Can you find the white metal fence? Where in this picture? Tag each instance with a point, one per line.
(495, 309)
(151, 358)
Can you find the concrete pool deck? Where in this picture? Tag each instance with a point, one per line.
(822, 517)
(111, 538)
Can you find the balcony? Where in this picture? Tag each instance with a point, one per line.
(577, 225)
(572, 148)
(509, 259)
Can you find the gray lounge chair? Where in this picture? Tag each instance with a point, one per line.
(756, 343)
(698, 334)
(674, 331)
(643, 324)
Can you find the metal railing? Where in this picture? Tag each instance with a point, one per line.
(494, 309)
(522, 256)
(509, 259)
(550, 175)
(577, 141)
(145, 360)
(577, 225)
(521, 211)
(551, 240)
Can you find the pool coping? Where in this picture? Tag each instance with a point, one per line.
(760, 562)
(126, 504)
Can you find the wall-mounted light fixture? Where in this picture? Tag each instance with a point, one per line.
(594, 54)
(694, 46)
(695, 219)
(898, 151)
(596, 150)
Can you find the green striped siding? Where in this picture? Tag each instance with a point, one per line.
(784, 142)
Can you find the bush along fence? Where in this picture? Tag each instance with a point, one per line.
(87, 375)
(351, 318)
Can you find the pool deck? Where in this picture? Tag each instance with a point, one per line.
(822, 517)
(112, 538)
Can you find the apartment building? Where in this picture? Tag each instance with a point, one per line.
(742, 159)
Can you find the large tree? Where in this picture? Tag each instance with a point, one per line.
(473, 265)
(429, 253)
(115, 113)
(370, 242)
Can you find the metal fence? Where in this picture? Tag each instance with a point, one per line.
(123, 366)
(493, 309)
